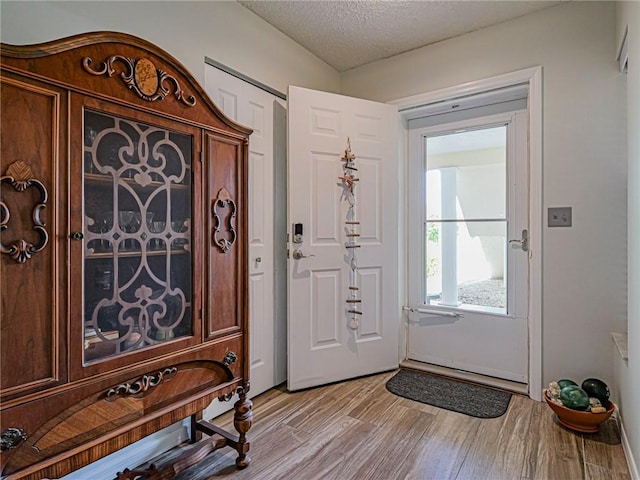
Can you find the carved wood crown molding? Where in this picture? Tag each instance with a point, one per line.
(144, 50)
(142, 77)
(20, 177)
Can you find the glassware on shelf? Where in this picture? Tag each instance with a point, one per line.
(149, 218)
(125, 217)
(88, 162)
(104, 280)
(133, 340)
(97, 228)
(89, 137)
(134, 224)
(179, 226)
(163, 335)
(157, 227)
(105, 224)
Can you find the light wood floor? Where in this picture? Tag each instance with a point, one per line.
(358, 430)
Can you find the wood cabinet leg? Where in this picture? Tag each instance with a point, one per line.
(242, 420)
(195, 434)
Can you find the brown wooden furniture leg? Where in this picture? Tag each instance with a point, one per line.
(242, 420)
(195, 434)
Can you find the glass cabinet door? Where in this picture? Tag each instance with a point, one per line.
(137, 235)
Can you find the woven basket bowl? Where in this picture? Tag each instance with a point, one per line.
(584, 422)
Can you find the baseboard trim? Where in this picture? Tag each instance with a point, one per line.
(133, 455)
(515, 387)
(631, 461)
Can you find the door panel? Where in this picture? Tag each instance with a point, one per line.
(34, 140)
(322, 346)
(475, 214)
(225, 313)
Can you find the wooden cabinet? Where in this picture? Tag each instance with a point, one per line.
(124, 253)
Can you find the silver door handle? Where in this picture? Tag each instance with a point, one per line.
(297, 254)
(524, 242)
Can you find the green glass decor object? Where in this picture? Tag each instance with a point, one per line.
(596, 388)
(574, 397)
(565, 382)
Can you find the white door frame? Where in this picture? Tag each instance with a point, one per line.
(533, 77)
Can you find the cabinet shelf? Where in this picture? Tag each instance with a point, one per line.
(150, 253)
(107, 180)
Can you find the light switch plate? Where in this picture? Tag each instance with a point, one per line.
(559, 216)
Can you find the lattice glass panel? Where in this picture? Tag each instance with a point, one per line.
(137, 235)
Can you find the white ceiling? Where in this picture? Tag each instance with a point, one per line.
(349, 33)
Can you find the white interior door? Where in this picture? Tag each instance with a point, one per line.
(468, 215)
(325, 343)
(260, 110)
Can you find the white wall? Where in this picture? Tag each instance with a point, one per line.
(189, 30)
(584, 267)
(628, 386)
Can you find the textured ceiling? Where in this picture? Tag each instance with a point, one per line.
(349, 33)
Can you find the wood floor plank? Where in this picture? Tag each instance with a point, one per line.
(503, 457)
(596, 472)
(326, 405)
(559, 451)
(442, 449)
(392, 443)
(603, 448)
(374, 406)
(335, 458)
(298, 460)
(530, 454)
(358, 430)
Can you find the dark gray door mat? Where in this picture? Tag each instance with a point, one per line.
(457, 396)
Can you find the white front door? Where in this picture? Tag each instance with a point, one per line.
(346, 267)
(260, 110)
(468, 225)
